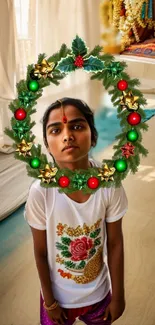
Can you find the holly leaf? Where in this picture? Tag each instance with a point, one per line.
(67, 64)
(79, 47)
(93, 64)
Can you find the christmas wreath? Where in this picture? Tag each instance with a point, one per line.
(128, 99)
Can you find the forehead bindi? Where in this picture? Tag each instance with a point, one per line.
(71, 112)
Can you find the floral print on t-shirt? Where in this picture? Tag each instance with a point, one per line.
(81, 251)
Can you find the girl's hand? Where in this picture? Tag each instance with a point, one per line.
(114, 310)
(57, 315)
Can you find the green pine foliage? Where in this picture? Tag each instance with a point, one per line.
(95, 52)
(41, 57)
(98, 75)
(64, 51)
(108, 58)
(21, 86)
(56, 57)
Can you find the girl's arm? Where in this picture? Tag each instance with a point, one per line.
(115, 250)
(40, 252)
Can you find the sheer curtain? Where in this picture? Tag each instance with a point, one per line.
(8, 67)
(42, 27)
(58, 22)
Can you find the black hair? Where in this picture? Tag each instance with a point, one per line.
(83, 108)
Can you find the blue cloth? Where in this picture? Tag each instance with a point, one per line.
(108, 126)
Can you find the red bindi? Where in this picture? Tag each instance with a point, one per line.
(64, 119)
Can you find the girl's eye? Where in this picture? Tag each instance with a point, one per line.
(77, 127)
(54, 131)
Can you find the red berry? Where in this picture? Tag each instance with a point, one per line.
(122, 85)
(79, 61)
(20, 114)
(134, 118)
(63, 181)
(93, 182)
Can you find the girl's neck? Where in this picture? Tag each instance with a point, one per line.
(81, 164)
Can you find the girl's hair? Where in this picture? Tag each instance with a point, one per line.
(83, 108)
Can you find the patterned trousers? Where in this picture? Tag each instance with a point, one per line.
(90, 315)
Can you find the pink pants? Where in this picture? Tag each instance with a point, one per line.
(90, 315)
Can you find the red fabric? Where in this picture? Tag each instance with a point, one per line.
(75, 312)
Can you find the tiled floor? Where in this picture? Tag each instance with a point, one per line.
(19, 284)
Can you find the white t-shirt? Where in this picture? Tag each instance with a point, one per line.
(76, 240)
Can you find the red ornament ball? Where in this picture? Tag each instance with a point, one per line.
(134, 118)
(20, 114)
(122, 85)
(79, 61)
(93, 182)
(63, 181)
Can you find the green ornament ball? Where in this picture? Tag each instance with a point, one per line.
(33, 85)
(35, 163)
(120, 165)
(132, 135)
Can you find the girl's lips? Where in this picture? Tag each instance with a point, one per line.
(69, 148)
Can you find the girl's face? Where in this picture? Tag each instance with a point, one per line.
(75, 133)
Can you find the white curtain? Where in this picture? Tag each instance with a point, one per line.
(58, 22)
(8, 66)
(49, 24)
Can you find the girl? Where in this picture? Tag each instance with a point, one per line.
(73, 232)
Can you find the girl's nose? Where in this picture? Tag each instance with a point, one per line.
(68, 138)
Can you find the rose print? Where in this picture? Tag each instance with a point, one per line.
(80, 247)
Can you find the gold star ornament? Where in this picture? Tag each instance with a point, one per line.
(106, 173)
(48, 174)
(24, 148)
(44, 69)
(129, 101)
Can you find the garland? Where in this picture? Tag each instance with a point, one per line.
(128, 99)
